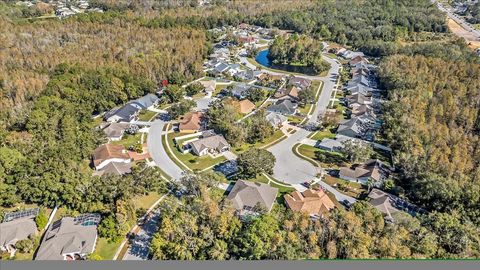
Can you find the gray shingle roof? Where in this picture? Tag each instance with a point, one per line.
(286, 107)
(16, 230)
(246, 195)
(147, 100)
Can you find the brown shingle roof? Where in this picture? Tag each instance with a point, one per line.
(311, 202)
(191, 121)
(108, 151)
(244, 106)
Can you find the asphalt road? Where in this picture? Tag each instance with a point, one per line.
(158, 153)
(288, 167)
(471, 30)
(139, 247)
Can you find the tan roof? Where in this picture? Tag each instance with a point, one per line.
(191, 121)
(382, 201)
(369, 169)
(311, 202)
(244, 106)
(291, 91)
(108, 151)
(209, 85)
(216, 142)
(115, 129)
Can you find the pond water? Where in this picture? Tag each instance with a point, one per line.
(262, 59)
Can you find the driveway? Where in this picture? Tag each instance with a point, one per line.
(288, 167)
(158, 153)
(139, 249)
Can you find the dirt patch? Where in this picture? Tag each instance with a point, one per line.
(458, 30)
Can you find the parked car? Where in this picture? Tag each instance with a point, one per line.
(346, 203)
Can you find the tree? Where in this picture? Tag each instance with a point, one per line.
(108, 228)
(307, 96)
(258, 128)
(41, 219)
(180, 108)
(194, 88)
(255, 94)
(175, 92)
(27, 245)
(357, 151)
(255, 161)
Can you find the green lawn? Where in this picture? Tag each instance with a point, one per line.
(320, 135)
(219, 88)
(106, 249)
(349, 188)
(190, 160)
(332, 159)
(146, 115)
(242, 148)
(129, 140)
(295, 119)
(304, 110)
(146, 201)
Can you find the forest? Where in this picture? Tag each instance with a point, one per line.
(56, 74)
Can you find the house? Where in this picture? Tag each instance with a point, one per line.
(285, 107)
(354, 127)
(361, 110)
(114, 168)
(244, 106)
(210, 145)
(209, 86)
(331, 145)
(240, 90)
(314, 203)
(362, 89)
(372, 169)
(192, 122)
(300, 82)
(126, 113)
(248, 75)
(234, 69)
(221, 67)
(358, 99)
(250, 198)
(69, 238)
(290, 92)
(358, 80)
(107, 153)
(246, 40)
(276, 120)
(358, 59)
(21, 226)
(114, 131)
(389, 204)
(148, 101)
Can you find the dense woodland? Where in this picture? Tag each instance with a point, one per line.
(56, 74)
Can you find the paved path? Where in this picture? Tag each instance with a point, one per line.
(158, 153)
(288, 167)
(139, 249)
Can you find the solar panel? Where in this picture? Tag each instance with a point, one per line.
(87, 219)
(20, 214)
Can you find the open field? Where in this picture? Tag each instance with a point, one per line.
(458, 30)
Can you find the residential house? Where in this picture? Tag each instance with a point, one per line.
(69, 238)
(276, 120)
(315, 203)
(285, 107)
(244, 106)
(192, 122)
(248, 75)
(358, 59)
(148, 101)
(126, 113)
(354, 127)
(107, 153)
(17, 229)
(331, 145)
(240, 90)
(290, 92)
(358, 99)
(210, 145)
(389, 204)
(250, 198)
(358, 80)
(209, 86)
(361, 110)
(300, 82)
(221, 67)
(114, 168)
(115, 131)
(361, 89)
(373, 169)
(234, 69)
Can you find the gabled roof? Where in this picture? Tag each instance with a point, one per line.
(191, 121)
(354, 124)
(16, 230)
(147, 100)
(67, 236)
(240, 89)
(126, 112)
(115, 129)
(108, 151)
(311, 202)
(246, 195)
(359, 98)
(302, 82)
(371, 169)
(216, 142)
(358, 59)
(275, 119)
(114, 168)
(285, 106)
(291, 91)
(221, 67)
(383, 202)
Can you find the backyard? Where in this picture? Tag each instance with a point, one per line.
(349, 188)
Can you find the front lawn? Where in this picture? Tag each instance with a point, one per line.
(146, 201)
(190, 160)
(129, 140)
(325, 158)
(323, 134)
(244, 147)
(146, 115)
(106, 249)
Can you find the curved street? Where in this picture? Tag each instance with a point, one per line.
(289, 168)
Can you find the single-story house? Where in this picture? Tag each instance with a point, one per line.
(240, 90)
(300, 82)
(250, 198)
(114, 168)
(276, 120)
(244, 106)
(209, 85)
(126, 113)
(354, 128)
(285, 107)
(331, 145)
(15, 230)
(311, 202)
(148, 101)
(210, 145)
(234, 69)
(192, 122)
(115, 131)
(221, 67)
(69, 238)
(361, 110)
(372, 169)
(290, 92)
(106, 153)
